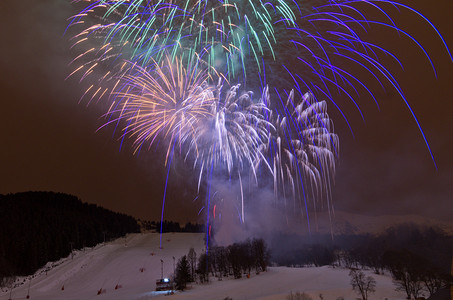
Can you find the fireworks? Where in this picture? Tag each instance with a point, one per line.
(235, 132)
(167, 102)
(162, 65)
(222, 34)
(164, 101)
(302, 149)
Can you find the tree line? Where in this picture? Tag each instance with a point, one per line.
(171, 226)
(235, 260)
(418, 257)
(38, 227)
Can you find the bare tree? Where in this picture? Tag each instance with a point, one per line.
(434, 279)
(408, 281)
(298, 296)
(407, 271)
(363, 285)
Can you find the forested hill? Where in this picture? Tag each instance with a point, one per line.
(37, 227)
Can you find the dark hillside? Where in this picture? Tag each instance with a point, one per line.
(37, 227)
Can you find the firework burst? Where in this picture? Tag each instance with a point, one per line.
(302, 150)
(234, 133)
(162, 102)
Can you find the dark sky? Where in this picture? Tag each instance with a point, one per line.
(49, 141)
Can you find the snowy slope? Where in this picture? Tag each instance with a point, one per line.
(120, 263)
(105, 266)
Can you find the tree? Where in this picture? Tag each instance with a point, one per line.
(320, 255)
(182, 276)
(203, 267)
(298, 296)
(361, 284)
(192, 257)
(220, 261)
(235, 259)
(434, 280)
(260, 255)
(407, 271)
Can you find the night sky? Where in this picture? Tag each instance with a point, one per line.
(49, 141)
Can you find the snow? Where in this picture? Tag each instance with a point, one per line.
(278, 282)
(121, 262)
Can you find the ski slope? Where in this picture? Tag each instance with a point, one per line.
(132, 265)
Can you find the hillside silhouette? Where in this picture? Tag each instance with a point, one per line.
(38, 227)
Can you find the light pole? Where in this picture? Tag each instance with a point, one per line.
(174, 267)
(161, 269)
(28, 292)
(174, 272)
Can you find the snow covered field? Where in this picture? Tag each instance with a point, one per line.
(132, 265)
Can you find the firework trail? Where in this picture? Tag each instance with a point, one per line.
(302, 150)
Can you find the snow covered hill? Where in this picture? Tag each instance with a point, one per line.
(133, 264)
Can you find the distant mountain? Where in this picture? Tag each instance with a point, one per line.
(340, 223)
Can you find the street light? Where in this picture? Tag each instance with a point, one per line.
(72, 254)
(174, 267)
(174, 272)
